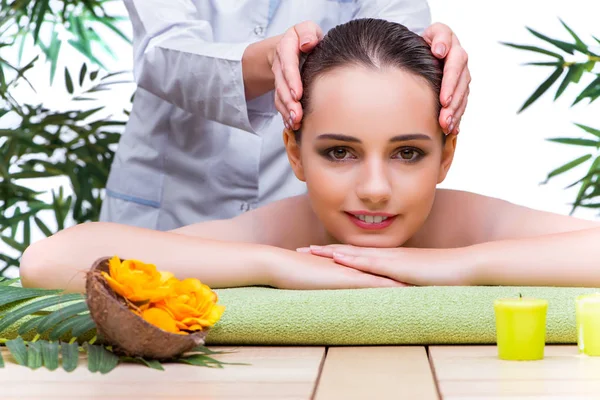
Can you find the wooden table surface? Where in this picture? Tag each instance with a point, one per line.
(369, 372)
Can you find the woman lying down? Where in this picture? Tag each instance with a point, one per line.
(371, 153)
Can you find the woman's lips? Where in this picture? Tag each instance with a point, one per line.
(371, 226)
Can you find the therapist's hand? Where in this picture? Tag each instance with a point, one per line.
(305, 36)
(455, 82)
(285, 64)
(420, 267)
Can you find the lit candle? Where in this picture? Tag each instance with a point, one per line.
(587, 315)
(521, 328)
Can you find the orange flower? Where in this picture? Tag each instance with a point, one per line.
(163, 300)
(192, 305)
(138, 281)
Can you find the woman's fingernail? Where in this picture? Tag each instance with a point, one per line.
(338, 255)
(449, 120)
(292, 117)
(285, 123)
(314, 247)
(306, 41)
(303, 249)
(294, 95)
(448, 101)
(440, 49)
(451, 128)
(291, 122)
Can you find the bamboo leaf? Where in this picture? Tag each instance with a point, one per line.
(18, 350)
(40, 224)
(82, 73)
(16, 314)
(68, 81)
(589, 91)
(50, 351)
(34, 355)
(106, 22)
(53, 52)
(61, 315)
(568, 166)
(44, 5)
(13, 243)
(574, 71)
(26, 233)
(94, 74)
(70, 356)
(578, 43)
(545, 64)
(564, 46)
(542, 88)
(534, 49)
(100, 359)
(576, 141)
(62, 328)
(595, 132)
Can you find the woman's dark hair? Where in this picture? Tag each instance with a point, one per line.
(371, 43)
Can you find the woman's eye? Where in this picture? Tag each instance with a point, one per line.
(408, 154)
(339, 154)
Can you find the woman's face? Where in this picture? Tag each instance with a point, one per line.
(371, 154)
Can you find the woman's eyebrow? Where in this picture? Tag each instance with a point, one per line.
(397, 138)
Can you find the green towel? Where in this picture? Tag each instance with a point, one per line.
(413, 315)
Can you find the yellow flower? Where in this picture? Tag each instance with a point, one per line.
(192, 305)
(161, 319)
(138, 281)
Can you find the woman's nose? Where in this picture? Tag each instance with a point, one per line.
(374, 185)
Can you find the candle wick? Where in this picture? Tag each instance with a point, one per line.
(520, 296)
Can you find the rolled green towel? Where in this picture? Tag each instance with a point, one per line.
(402, 316)
(411, 315)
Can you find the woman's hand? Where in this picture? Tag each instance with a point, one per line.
(291, 270)
(421, 267)
(303, 37)
(455, 82)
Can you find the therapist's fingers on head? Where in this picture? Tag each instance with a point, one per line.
(461, 86)
(460, 112)
(309, 34)
(439, 37)
(459, 99)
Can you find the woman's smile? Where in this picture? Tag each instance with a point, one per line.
(370, 220)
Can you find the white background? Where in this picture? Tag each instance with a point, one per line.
(500, 153)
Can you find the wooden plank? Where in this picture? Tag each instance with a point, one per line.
(477, 372)
(376, 373)
(274, 372)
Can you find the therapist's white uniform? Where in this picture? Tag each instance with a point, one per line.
(194, 149)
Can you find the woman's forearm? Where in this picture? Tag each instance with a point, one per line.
(256, 67)
(563, 259)
(62, 260)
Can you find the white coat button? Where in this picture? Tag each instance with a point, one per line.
(259, 30)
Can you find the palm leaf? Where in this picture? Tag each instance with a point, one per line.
(70, 356)
(29, 325)
(64, 327)
(100, 359)
(34, 355)
(12, 294)
(50, 352)
(61, 315)
(18, 350)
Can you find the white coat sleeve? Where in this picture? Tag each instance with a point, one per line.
(414, 14)
(176, 59)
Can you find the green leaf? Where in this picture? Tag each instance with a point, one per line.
(1, 360)
(100, 359)
(575, 141)
(8, 282)
(34, 355)
(534, 49)
(545, 64)
(39, 19)
(18, 350)
(589, 91)
(29, 325)
(13, 243)
(154, 364)
(564, 46)
(53, 51)
(84, 327)
(12, 294)
(94, 74)
(64, 327)
(206, 350)
(50, 352)
(16, 314)
(201, 360)
(568, 166)
(68, 81)
(542, 88)
(40, 224)
(574, 71)
(26, 233)
(588, 129)
(70, 356)
(82, 73)
(61, 315)
(109, 25)
(578, 43)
